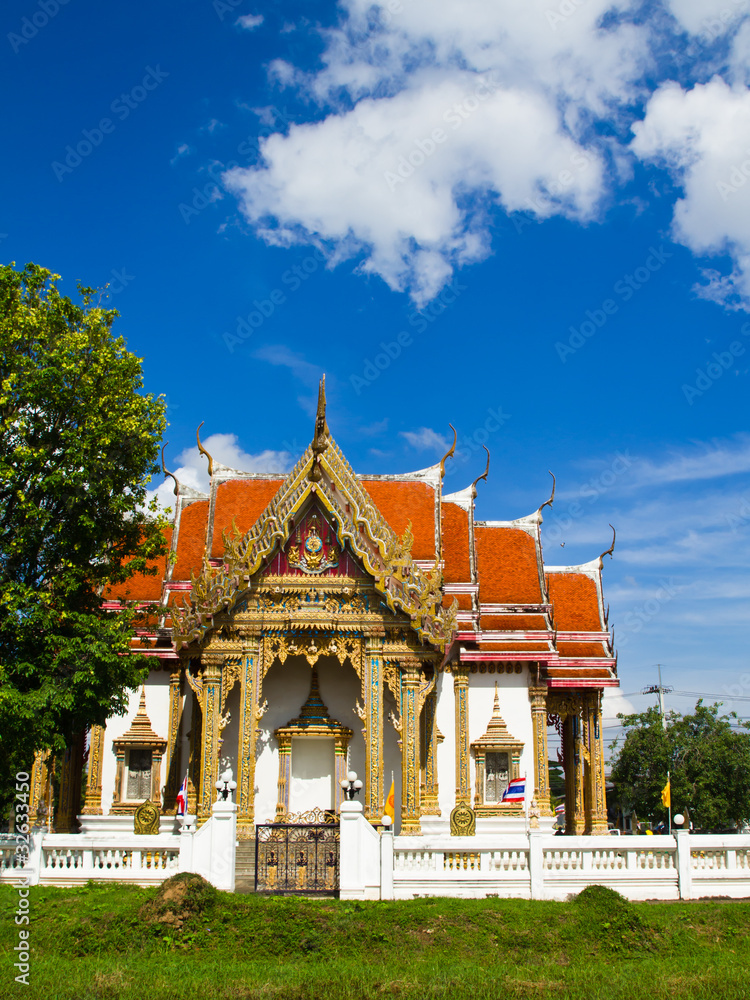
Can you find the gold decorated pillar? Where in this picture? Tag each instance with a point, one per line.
(248, 735)
(574, 761)
(285, 775)
(538, 698)
(213, 663)
(70, 787)
(174, 775)
(92, 805)
(596, 817)
(373, 694)
(461, 696)
(410, 764)
(39, 791)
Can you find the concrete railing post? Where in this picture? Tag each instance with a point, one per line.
(351, 883)
(684, 865)
(536, 864)
(386, 864)
(223, 844)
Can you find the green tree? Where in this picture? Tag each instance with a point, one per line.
(78, 444)
(707, 755)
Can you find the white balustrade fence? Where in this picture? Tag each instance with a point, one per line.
(541, 866)
(73, 859)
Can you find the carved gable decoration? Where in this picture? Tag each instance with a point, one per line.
(324, 476)
(314, 549)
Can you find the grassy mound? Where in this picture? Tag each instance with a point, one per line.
(613, 921)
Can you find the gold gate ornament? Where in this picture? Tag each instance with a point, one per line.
(463, 821)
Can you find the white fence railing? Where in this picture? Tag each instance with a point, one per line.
(73, 859)
(541, 866)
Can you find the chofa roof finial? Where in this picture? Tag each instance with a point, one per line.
(484, 474)
(202, 450)
(548, 503)
(166, 470)
(611, 549)
(449, 453)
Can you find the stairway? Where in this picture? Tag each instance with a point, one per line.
(244, 866)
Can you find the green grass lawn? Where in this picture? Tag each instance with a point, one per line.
(188, 940)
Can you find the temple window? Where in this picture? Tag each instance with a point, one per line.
(139, 755)
(497, 756)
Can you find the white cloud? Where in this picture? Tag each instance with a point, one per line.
(250, 21)
(182, 150)
(702, 137)
(192, 467)
(515, 93)
(509, 95)
(426, 439)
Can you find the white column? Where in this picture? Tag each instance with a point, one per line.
(359, 855)
(386, 864)
(536, 863)
(684, 865)
(223, 844)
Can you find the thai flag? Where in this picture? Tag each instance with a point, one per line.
(516, 790)
(560, 810)
(182, 798)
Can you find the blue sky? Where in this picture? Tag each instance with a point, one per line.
(530, 219)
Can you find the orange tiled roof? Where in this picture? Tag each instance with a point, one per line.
(521, 647)
(579, 649)
(402, 502)
(241, 501)
(191, 540)
(463, 601)
(575, 602)
(455, 526)
(507, 566)
(140, 587)
(528, 623)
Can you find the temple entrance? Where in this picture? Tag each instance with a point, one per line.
(300, 858)
(312, 785)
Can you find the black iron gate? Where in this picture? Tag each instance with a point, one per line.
(297, 858)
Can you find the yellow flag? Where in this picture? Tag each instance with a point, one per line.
(666, 795)
(390, 803)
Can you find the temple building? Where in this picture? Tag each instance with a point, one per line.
(306, 624)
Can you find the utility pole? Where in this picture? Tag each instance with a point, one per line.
(660, 690)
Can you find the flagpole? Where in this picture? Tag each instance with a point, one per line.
(669, 808)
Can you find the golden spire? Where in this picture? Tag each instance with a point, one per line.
(320, 437)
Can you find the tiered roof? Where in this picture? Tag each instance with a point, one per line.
(510, 606)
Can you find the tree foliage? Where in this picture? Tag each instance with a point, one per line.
(78, 443)
(708, 758)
